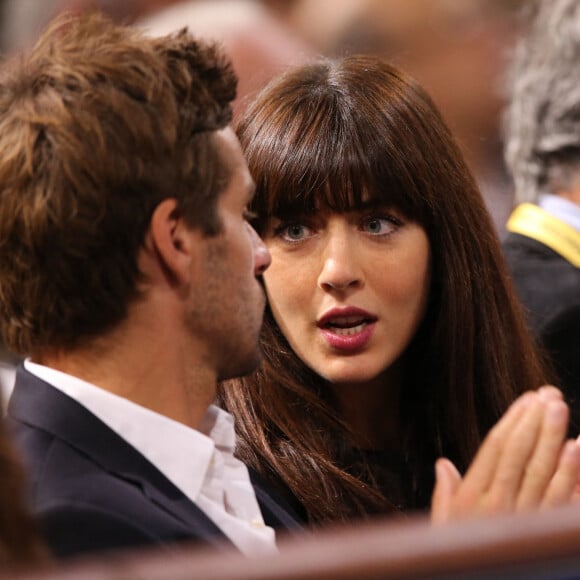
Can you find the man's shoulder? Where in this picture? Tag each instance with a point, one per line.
(90, 489)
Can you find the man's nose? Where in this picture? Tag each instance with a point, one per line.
(262, 258)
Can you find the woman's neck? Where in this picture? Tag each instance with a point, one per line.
(372, 411)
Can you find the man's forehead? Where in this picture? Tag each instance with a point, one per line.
(234, 160)
(226, 138)
(230, 149)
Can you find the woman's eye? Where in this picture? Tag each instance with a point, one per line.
(293, 232)
(379, 225)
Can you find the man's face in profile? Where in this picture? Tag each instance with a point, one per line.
(227, 303)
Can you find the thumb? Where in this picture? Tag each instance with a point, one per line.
(576, 493)
(447, 481)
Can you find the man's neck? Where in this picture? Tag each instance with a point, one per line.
(571, 193)
(143, 368)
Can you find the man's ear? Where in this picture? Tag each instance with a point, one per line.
(171, 241)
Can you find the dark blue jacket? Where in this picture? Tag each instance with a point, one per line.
(92, 491)
(549, 287)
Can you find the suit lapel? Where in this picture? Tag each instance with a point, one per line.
(40, 405)
(276, 510)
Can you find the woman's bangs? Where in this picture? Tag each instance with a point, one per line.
(335, 182)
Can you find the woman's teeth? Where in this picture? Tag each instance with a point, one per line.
(347, 331)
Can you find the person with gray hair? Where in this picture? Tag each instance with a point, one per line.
(542, 151)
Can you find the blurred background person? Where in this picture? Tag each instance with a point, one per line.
(125, 11)
(261, 45)
(542, 151)
(253, 33)
(21, 22)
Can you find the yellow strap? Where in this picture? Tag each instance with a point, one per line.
(533, 222)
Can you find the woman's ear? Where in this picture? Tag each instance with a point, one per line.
(172, 242)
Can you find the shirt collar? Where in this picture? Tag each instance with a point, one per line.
(181, 453)
(561, 208)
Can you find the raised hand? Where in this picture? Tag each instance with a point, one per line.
(524, 463)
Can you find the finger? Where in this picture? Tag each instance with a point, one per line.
(545, 457)
(549, 392)
(516, 453)
(447, 481)
(482, 469)
(576, 492)
(562, 488)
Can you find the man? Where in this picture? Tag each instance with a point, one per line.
(129, 277)
(543, 154)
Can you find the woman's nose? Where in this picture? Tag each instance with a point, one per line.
(340, 266)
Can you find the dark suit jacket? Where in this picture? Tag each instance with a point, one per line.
(549, 287)
(92, 491)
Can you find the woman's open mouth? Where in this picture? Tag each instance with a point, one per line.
(347, 330)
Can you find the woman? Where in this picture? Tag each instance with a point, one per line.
(392, 335)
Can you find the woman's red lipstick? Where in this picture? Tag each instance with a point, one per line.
(347, 329)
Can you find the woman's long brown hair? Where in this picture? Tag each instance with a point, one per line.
(324, 135)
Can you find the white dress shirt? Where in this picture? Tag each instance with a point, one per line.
(200, 463)
(561, 208)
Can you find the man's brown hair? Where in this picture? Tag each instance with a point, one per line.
(98, 124)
